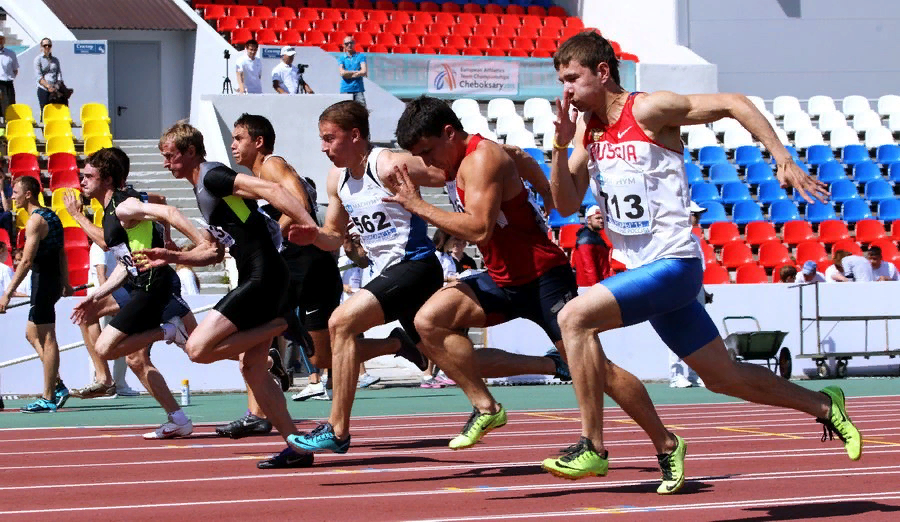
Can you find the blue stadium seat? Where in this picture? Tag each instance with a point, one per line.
(853, 154)
(546, 168)
(843, 190)
(759, 172)
(715, 212)
(855, 210)
(711, 155)
(746, 211)
(819, 154)
(889, 210)
(735, 191)
(866, 171)
(818, 212)
(747, 155)
(687, 155)
(879, 190)
(555, 220)
(888, 154)
(588, 199)
(771, 191)
(537, 154)
(705, 192)
(784, 211)
(894, 172)
(723, 173)
(694, 174)
(831, 172)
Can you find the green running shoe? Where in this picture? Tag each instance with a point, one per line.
(581, 460)
(672, 466)
(840, 422)
(478, 425)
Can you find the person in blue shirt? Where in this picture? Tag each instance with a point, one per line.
(353, 70)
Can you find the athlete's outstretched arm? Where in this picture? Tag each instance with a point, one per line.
(530, 171)
(114, 281)
(331, 234)
(251, 187)
(668, 109)
(420, 174)
(568, 177)
(132, 209)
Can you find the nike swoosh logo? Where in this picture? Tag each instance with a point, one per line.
(623, 132)
(312, 311)
(169, 432)
(293, 460)
(672, 487)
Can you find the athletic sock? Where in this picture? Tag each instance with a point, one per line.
(178, 417)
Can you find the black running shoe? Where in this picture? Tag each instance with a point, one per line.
(244, 427)
(1, 403)
(408, 349)
(298, 334)
(278, 370)
(288, 458)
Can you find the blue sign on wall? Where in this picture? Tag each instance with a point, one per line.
(90, 48)
(271, 52)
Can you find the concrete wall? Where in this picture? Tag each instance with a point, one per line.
(176, 61)
(799, 47)
(36, 20)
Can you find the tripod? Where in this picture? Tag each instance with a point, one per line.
(226, 85)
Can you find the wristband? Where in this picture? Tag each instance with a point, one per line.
(558, 146)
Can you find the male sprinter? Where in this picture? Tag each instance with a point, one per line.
(315, 281)
(245, 321)
(527, 275)
(45, 256)
(153, 296)
(628, 146)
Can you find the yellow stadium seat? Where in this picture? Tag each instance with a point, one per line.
(21, 217)
(19, 111)
(17, 128)
(57, 144)
(56, 202)
(22, 144)
(57, 111)
(57, 128)
(67, 220)
(94, 143)
(94, 111)
(97, 207)
(95, 128)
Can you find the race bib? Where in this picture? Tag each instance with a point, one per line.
(222, 237)
(373, 223)
(123, 255)
(624, 203)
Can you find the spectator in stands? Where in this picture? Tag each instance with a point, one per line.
(48, 73)
(7, 220)
(696, 211)
(849, 267)
(353, 70)
(592, 250)
(6, 272)
(881, 270)
(463, 260)
(249, 69)
(810, 274)
(24, 289)
(442, 244)
(287, 79)
(9, 69)
(788, 274)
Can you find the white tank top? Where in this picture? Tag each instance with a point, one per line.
(388, 232)
(642, 190)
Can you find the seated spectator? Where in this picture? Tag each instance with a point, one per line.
(809, 274)
(850, 268)
(592, 250)
(788, 274)
(442, 244)
(462, 260)
(881, 270)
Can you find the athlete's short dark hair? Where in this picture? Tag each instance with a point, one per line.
(109, 164)
(348, 115)
(29, 184)
(589, 49)
(425, 117)
(257, 126)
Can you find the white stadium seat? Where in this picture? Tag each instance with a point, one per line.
(521, 138)
(818, 105)
(498, 107)
(888, 104)
(508, 123)
(853, 104)
(878, 136)
(796, 120)
(866, 120)
(894, 122)
(758, 101)
(737, 137)
(829, 121)
(543, 122)
(808, 136)
(782, 136)
(475, 124)
(843, 136)
(700, 136)
(536, 106)
(785, 104)
(722, 126)
(464, 107)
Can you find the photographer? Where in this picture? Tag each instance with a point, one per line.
(287, 79)
(353, 70)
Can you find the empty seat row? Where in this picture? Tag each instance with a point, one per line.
(292, 8)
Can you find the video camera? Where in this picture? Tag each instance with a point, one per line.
(301, 67)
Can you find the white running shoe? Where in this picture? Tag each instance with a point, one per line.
(127, 391)
(679, 381)
(324, 397)
(170, 430)
(311, 390)
(177, 334)
(366, 380)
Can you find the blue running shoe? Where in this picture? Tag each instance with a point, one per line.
(320, 439)
(61, 394)
(41, 405)
(562, 369)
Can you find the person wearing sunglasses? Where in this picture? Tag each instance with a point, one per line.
(353, 70)
(48, 72)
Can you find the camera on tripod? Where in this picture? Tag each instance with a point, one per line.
(301, 67)
(227, 54)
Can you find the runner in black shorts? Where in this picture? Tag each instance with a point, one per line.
(245, 321)
(45, 256)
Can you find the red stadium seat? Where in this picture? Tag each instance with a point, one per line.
(546, 45)
(723, 232)
(267, 37)
(523, 44)
(478, 42)
(355, 15)
(402, 49)
(735, 254)
(556, 10)
(285, 13)
(261, 11)
(847, 244)
(506, 31)
(758, 232)
(529, 32)
(536, 10)
(331, 47)
(239, 11)
(340, 4)
(299, 24)
(291, 37)
(574, 21)
(24, 164)
(483, 30)
(773, 253)
(332, 15)
(240, 36)
(404, 5)
(326, 26)
(314, 37)
(426, 50)
(378, 48)
(78, 277)
(213, 12)
(276, 24)
(421, 18)
(400, 16)
(349, 26)
(450, 7)
(472, 8)
(394, 27)
(551, 22)
(467, 19)
(795, 232)
(490, 51)
(371, 27)
(337, 37)
(444, 29)
(832, 230)
(461, 30)
(364, 39)
(456, 41)
(888, 248)
(78, 257)
(473, 51)
(445, 18)
(532, 21)
(750, 274)
(512, 20)
(494, 9)
(515, 9)
(489, 19)
(384, 5)
(629, 57)
(228, 23)
(74, 237)
(715, 274)
(811, 251)
(410, 40)
(271, 4)
(308, 13)
(362, 4)
(388, 39)
(549, 33)
(449, 50)
(432, 40)
(868, 230)
(429, 7)
(252, 24)
(501, 43)
(519, 53)
(319, 4)
(20, 239)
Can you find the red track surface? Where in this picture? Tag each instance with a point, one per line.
(744, 462)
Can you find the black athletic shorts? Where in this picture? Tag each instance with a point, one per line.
(46, 289)
(315, 287)
(147, 308)
(538, 301)
(403, 288)
(261, 294)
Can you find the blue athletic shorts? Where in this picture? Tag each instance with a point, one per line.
(665, 293)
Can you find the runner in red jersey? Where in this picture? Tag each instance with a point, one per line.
(527, 275)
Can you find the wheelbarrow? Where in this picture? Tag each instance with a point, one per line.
(758, 346)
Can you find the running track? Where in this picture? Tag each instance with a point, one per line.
(744, 462)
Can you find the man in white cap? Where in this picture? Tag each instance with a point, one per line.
(591, 255)
(810, 274)
(286, 79)
(696, 210)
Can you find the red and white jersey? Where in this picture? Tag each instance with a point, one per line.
(518, 251)
(642, 190)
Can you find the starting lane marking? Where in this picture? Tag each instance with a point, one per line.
(552, 417)
(757, 432)
(880, 470)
